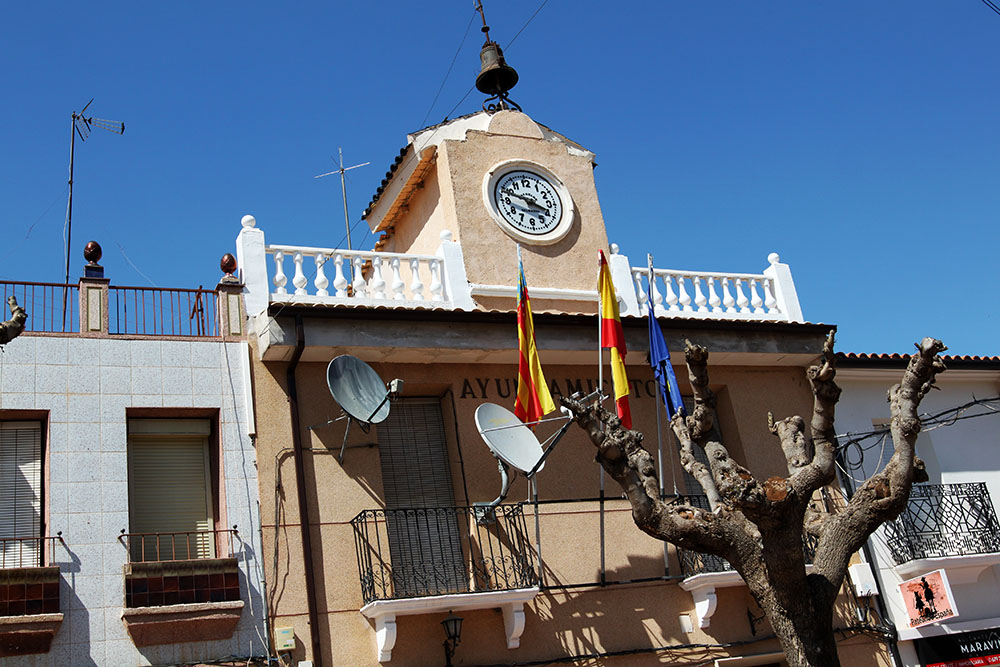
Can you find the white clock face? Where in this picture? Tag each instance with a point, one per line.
(528, 202)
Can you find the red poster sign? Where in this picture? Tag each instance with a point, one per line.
(970, 662)
(928, 599)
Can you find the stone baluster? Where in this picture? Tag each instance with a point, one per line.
(727, 297)
(684, 298)
(741, 298)
(640, 293)
(699, 296)
(397, 285)
(339, 281)
(770, 303)
(437, 288)
(321, 282)
(755, 299)
(416, 286)
(377, 284)
(668, 282)
(279, 273)
(299, 280)
(359, 278)
(654, 294)
(713, 296)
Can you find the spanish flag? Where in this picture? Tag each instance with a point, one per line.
(533, 397)
(613, 337)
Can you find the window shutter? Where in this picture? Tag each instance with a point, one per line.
(169, 489)
(20, 492)
(425, 545)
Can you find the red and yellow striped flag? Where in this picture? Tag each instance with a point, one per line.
(533, 397)
(613, 337)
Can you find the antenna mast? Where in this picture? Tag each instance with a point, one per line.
(343, 190)
(81, 125)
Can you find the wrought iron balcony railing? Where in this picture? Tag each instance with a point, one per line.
(694, 562)
(944, 520)
(427, 551)
(18, 552)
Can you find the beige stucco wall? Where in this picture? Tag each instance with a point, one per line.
(558, 621)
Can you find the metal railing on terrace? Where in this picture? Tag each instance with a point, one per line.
(417, 552)
(180, 546)
(149, 311)
(44, 304)
(163, 312)
(944, 520)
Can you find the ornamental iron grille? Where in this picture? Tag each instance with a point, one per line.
(694, 562)
(399, 551)
(944, 520)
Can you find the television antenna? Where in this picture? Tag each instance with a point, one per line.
(360, 393)
(514, 446)
(81, 125)
(343, 189)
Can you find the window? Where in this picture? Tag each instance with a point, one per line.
(691, 485)
(20, 493)
(171, 513)
(425, 545)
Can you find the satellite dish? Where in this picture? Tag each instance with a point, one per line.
(360, 393)
(508, 438)
(358, 389)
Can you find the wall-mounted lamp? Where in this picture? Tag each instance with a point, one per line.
(453, 635)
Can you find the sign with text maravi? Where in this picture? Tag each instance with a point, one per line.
(968, 649)
(928, 599)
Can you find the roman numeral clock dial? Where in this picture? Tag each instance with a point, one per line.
(528, 202)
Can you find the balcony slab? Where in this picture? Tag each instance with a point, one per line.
(961, 569)
(511, 603)
(172, 624)
(26, 635)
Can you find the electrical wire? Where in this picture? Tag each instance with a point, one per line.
(992, 5)
(448, 73)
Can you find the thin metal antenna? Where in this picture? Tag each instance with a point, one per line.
(343, 189)
(81, 125)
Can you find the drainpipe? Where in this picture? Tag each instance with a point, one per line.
(300, 484)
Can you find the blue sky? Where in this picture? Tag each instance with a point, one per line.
(858, 139)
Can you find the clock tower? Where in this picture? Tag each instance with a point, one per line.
(495, 180)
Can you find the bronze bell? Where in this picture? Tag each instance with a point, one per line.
(496, 77)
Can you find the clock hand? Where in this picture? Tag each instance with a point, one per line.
(527, 199)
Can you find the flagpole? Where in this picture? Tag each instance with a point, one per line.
(600, 388)
(659, 437)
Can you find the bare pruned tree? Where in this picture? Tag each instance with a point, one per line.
(759, 526)
(12, 328)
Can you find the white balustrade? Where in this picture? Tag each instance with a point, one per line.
(700, 294)
(439, 281)
(367, 276)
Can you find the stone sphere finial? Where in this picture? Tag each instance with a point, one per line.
(773, 258)
(614, 248)
(228, 264)
(446, 235)
(248, 221)
(92, 252)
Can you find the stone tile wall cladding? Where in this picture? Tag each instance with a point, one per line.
(85, 386)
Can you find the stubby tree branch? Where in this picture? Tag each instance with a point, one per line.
(12, 328)
(884, 495)
(621, 454)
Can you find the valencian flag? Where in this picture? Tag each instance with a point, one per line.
(613, 337)
(533, 397)
(659, 359)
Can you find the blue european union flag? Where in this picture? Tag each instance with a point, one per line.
(659, 359)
